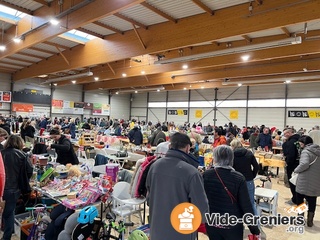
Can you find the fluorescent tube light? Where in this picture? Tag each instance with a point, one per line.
(69, 77)
(244, 49)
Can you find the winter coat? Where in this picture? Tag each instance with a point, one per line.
(135, 136)
(264, 140)
(65, 151)
(219, 200)
(172, 180)
(242, 162)
(309, 178)
(290, 151)
(252, 140)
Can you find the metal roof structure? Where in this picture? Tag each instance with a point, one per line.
(145, 45)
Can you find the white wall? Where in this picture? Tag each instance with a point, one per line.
(120, 106)
(139, 106)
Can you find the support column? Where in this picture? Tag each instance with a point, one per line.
(52, 89)
(215, 106)
(166, 115)
(247, 109)
(189, 98)
(285, 105)
(147, 114)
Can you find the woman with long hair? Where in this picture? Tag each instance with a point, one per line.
(18, 172)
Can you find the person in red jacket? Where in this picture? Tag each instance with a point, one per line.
(218, 138)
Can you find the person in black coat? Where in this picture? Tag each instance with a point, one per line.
(135, 136)
(245, 162)
(227, 193)
(63, 147)
(18, 171)
(291, 153)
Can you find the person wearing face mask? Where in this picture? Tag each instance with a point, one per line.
(307, 185)
(171, 180)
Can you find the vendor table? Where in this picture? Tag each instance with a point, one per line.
(266, 162)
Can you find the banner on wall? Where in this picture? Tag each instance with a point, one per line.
(234, 114)
(179, 112)
(78, 105)
(5, 96)
(101, 109)
(22, 107)
(304, 114)
(88, 105)
(198, 114)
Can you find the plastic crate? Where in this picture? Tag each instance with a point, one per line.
(17, 223)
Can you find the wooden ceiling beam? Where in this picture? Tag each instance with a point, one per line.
(247, 38)
(31, 55)
(203, 7)
(130, 20)
(306, 48)
(279, 69)
(90, 32)
(157, 11)
(42, 50)
(55, 45)
(92, 12)
(166, 36)
(286, 31)
(108, 27)
(15, 7)
(20, 60)
(13, 64)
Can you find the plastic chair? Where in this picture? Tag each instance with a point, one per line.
(124, 205)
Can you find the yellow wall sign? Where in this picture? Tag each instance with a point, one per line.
(198, 114)
(234, 114)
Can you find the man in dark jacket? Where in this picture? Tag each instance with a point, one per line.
(157, 137)
(135, 136)
(5, 125)
(63, 147)
(172, 180)
(264, 139)
(290, 151)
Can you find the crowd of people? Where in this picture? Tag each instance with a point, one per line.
(174, 178)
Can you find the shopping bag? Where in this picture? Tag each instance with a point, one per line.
(294, 178)
(253, 237)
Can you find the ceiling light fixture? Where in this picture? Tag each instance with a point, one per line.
(54, 21)
(17, 39)
(228, 51)
(55, 84)
(135, 91)
(140, 90)
(73, 81)
(274, 80)
(143, 72)
(69, 77)
(245, 57)
(96, 78)
(2, 48)
(124, 75)
(185, 66)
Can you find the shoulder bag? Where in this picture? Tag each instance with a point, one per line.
(294, 177)
(233, 199)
